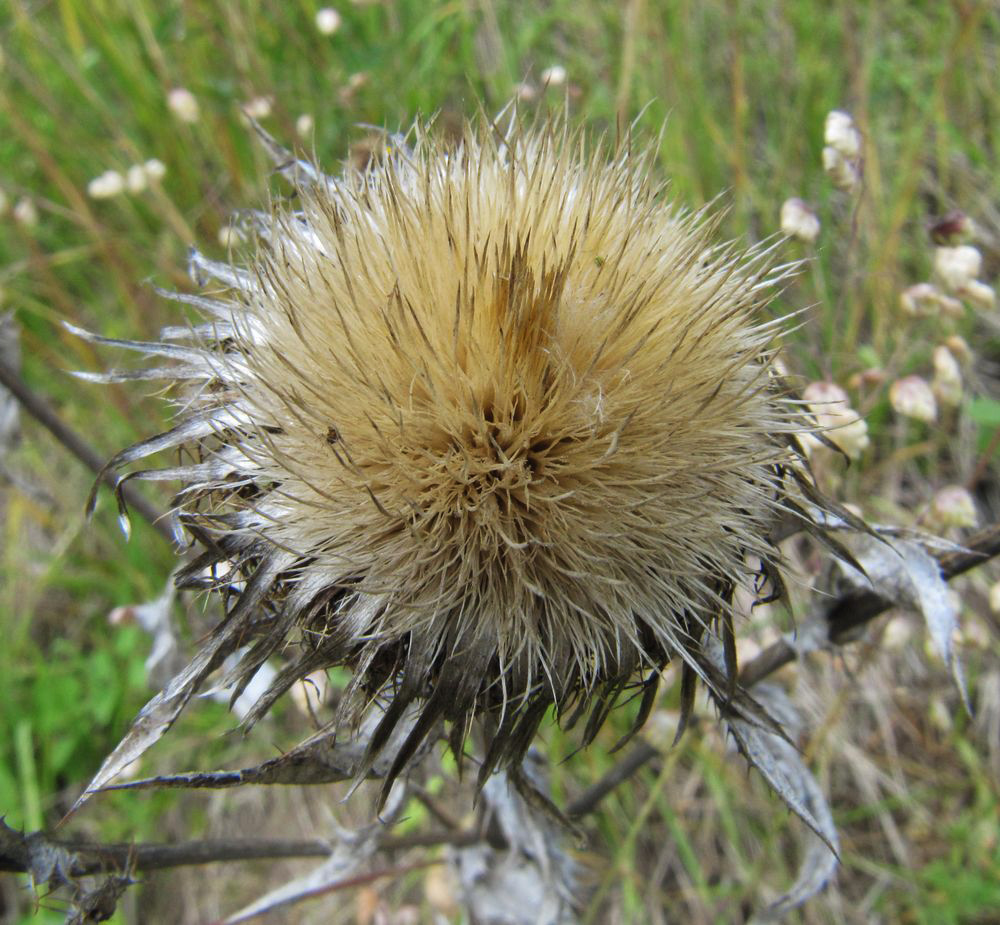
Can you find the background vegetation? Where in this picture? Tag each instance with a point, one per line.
(740, 91)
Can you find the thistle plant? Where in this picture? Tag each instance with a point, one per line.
(492, 425)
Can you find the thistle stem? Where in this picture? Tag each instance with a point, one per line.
(17, 848)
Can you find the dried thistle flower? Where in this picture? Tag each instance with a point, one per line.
(494, 426)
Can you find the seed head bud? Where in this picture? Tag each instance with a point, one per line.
(839, 423)
(155, 170)
(136, 179)
(354, 83)
(304, 125)
(492, 425)
(799, 221)
(921, 300)
(25, 212)
(978, 294)
(259, 107)
(960, 348)
(952, 507)
(947, 382)
(842, 172)
(956, 267)
(841, 134)
(183, 105)
(327, 20)
(554, 76)
(108, 185)
(526, 92)
(912, 397)
(230, 236)
(873, 376)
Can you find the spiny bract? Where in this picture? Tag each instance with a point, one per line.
(489, 423)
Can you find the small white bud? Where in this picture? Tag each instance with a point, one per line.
(229, 236)
(259, 107)
(898, 634)
(108, 185)
(840, 133)
(841, 171)
(554, 76)
(327, 20)
(799, 221)
(951, 307)
(525, 92)
(912, 397)
(960, 348)
(947, 384)
(155, 170)
(25, 212)
(136, 179)
(995, 597)
(354, 83)
(304, 125)
(183, 104)
(952, 507)
(957, 266)
(921, 300)
(840, 423)
(824, 397)
(978, 294)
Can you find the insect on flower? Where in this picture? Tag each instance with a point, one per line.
(491, 424)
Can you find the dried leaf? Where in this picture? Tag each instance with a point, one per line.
(903, 571)
(781, 766)
(318, 760)
(158, 715)
(820, 858)
(534, 881)
(763, 727)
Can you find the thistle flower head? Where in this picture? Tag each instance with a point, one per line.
(491, 424)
